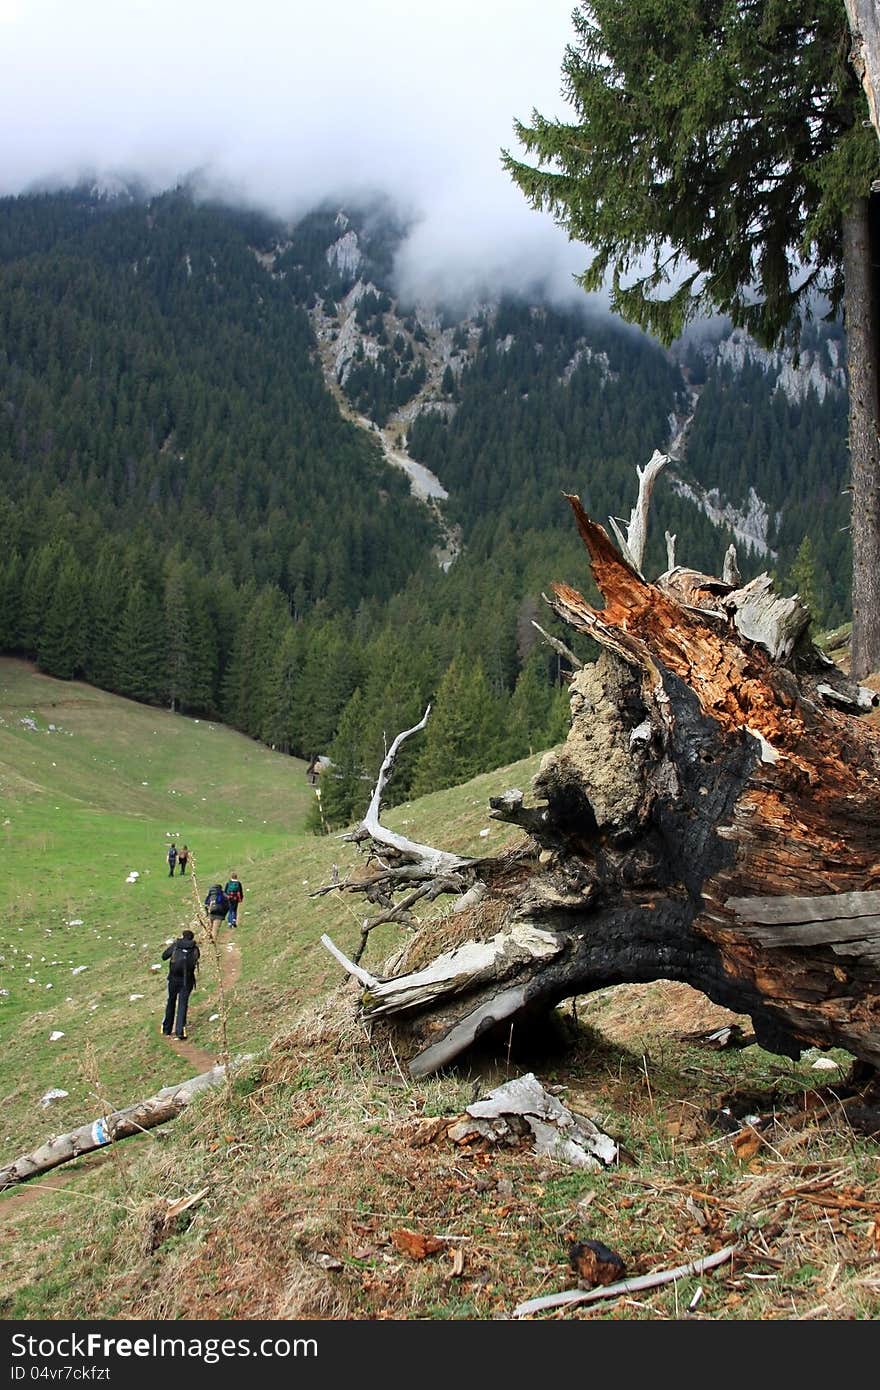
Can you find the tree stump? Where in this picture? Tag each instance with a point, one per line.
(711, 818)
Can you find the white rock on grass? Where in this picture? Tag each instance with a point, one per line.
(53, 1037)
(55, 1094)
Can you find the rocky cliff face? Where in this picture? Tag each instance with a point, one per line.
(389, 362)
(819, 368)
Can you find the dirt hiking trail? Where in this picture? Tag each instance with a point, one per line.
(229, 958)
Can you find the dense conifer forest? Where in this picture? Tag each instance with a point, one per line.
(189, 519)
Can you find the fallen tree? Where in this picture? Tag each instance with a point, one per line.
(711, 818)
(165, 1105)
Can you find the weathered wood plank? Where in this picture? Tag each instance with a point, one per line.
(462, 968)
(840, 936)
(826, 907)
(492, 1011)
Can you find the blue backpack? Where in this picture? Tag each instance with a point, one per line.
(216, 902)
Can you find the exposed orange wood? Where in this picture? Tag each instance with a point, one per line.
(737, 686)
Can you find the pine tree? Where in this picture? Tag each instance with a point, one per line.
(331, 670)
(722, 160)
(38, 583)
(802, 579)
(530, 708)
(62, 643)
(460, 738)
(179, 655)
(11, 577)
(106, 599)
(346, 785)
(277, 727)
(140, 647)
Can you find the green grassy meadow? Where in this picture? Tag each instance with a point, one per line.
(93, 786)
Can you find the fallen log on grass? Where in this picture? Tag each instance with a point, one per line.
(711, 818)
(109, 1129)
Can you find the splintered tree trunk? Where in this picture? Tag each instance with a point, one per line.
(711, 818)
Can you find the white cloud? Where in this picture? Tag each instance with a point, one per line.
(286, 103)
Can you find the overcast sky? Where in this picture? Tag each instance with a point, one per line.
(289, 102)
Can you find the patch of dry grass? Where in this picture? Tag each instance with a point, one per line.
(334, 1190)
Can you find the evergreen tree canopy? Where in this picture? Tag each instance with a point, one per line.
(717, 147)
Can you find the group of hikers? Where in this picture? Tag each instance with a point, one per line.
(177, 856)
(221, 901)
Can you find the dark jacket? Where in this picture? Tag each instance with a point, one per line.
(193, 952)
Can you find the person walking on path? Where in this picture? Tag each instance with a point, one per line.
(234, 894)
(183, 955)
(216, 904)
(182, 856)
(172, 858)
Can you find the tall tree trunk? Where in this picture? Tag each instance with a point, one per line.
(865, 56)
(861, 249)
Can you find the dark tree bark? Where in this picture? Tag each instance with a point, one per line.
(861, 256)
(711, 818)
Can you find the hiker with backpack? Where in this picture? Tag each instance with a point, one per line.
(183, 957)
(216, 904)
(172, 858)
(234, 894)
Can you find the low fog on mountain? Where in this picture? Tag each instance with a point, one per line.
(283, 106)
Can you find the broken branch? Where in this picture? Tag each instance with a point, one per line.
(644, 1281)
(632, 545)
(109, 1129)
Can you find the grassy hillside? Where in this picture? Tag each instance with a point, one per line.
(93, 786)
(321, 1151)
